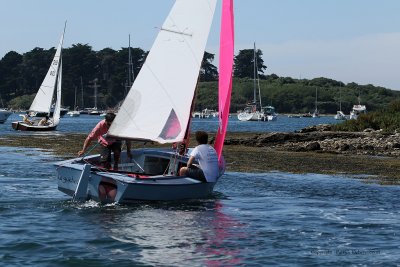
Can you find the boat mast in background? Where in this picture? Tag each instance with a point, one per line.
(131, 74)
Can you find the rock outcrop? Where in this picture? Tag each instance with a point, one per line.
(321, 138)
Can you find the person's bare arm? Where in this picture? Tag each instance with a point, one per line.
(87, 142)
(190, 162)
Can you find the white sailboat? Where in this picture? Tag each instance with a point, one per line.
(339, 114)
(250, 112)
(75, 112)
(153, 173)
(316, 112)
(43, 100)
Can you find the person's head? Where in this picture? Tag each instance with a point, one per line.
(109, 118)
(47, 117)
(201, 137)
(27, 113)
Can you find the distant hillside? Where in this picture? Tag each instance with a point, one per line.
(22, 74)
(289, 95)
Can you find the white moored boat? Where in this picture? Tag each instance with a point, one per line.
(357, 110)
(251, 112)
(340, 115)
(153, 173)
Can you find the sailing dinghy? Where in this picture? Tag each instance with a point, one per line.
(167, 81)
(44, 97)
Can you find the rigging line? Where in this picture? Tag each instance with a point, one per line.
(83, 157)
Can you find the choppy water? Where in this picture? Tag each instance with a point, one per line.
(265, 219)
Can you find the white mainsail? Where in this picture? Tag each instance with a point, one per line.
(157, 106)
(44, 96)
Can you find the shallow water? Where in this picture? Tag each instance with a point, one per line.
(275, 219)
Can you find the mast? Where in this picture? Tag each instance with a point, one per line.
(130, 68)
(95, 86)
(83, 106)
(75, 98)
(258, 80)
(255, 73)
(340, 97)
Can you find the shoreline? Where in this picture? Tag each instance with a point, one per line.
(256, 152)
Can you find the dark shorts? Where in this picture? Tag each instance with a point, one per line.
(196, 173)
(105, 154)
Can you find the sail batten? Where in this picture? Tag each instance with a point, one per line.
(157, 107)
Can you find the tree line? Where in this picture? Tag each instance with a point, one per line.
(22, 74)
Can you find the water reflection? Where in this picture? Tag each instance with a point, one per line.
(198, 232)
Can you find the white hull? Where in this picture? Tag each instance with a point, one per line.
(4, 114)
(357, 110)
(145, 181)
(353, 116)
(74, 113)
(340, 116)
(272, 117)
(253, 116)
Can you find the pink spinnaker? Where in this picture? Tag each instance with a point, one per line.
(226, 53)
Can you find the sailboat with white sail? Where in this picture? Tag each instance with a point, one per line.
(44, 98)
(153, 172)
(339, 114)
(251, 112)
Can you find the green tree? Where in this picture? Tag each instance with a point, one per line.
(9, 75)
(208, 71)
(244, 63)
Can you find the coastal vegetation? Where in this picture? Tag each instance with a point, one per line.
(386, 119)
(21, 75)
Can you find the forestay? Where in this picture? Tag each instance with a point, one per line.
(157, 106)
(44, 96)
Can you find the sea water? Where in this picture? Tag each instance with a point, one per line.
(85, 123)
(259, 219)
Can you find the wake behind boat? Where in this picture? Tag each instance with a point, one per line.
(44, 97)
(153, 173)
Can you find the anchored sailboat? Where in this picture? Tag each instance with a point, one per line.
(339, 114)
(44, 97)
(255, 111)
(316, 112)
(153, 173)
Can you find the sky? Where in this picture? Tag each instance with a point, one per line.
(345, 40)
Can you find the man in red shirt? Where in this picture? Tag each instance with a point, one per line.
(108, 144)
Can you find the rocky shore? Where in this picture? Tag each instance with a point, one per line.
(320, 138)
(317, 149)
